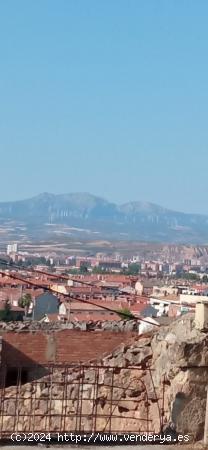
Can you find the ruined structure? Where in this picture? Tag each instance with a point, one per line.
(26, 345)
(140, 385)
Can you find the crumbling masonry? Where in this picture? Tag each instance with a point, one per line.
(142, 385)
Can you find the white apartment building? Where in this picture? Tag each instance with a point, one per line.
(12, 248)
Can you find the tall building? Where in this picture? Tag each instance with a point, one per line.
(12, 248)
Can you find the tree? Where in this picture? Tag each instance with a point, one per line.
(24, 302)
(125, 314)
(101, 270)
(133, 269)
(72, 271)
(6, 314)
(83, 269)
(191, 276)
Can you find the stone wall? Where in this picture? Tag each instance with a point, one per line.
(171, 365)
(111, 397)
(115, 326)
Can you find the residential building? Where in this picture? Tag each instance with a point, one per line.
(45, 304)
(11, 248)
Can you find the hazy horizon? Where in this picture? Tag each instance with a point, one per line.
(105, 97)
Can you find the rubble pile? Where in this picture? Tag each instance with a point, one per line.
(116, 326)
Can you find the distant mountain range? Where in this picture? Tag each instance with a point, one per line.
(87, 216)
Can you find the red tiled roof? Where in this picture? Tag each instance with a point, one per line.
(95, 317)
(96, 306)
(4, 281)
(138, 307)
(84, 289)
(200, 287)
(12, 307)
(14, 293)
(81, 306)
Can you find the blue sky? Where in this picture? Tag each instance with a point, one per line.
(108, 97)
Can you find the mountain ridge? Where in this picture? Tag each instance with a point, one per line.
(135, 219)
(145, 204)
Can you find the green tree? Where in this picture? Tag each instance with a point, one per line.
(97, 270)
(191, 276)
(133, 269)
(6, 313)
(125, 313)
(73, 271)
(83, 269)
(24, 302)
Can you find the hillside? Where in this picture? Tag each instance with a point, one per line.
(84, 215)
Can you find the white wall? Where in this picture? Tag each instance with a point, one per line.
(188, 298)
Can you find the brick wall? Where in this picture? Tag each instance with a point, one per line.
(64, 346)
